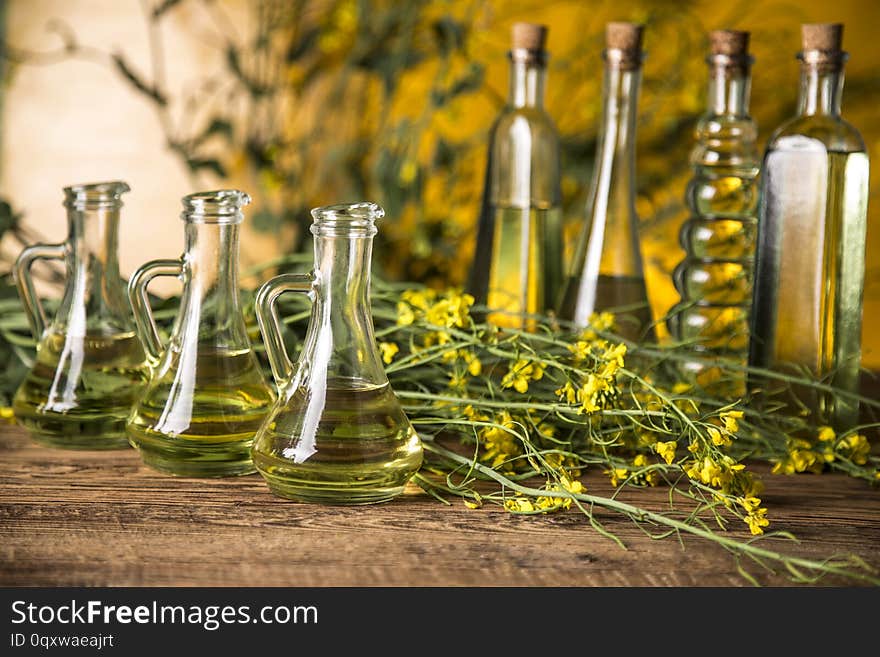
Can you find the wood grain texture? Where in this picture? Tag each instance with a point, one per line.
(103, 519)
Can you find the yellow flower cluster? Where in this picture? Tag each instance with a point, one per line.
(473, 364)
(718, 473)
(637, 474)
(598, 388)
(448, 310)
(499, 442)
(756, 515)
(546, 503)
(520, 373)
(723, 434)
(603, 321)
(465, 364)
(389, 351)
(666, 450)
(806, 456)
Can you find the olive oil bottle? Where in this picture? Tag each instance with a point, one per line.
(520, 253)
(207, 395)
(810, 263)
(362, 448)
(81, 389)
(518, 263)
(607, 273)
(714, 280)
(337, 433)
(90, 365)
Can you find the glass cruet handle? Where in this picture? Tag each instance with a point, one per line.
(270, 324)
(140, 303)
(22, 275)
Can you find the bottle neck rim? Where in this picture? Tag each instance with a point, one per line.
(821, 82)
(221, 206)
(536, 58)
(354, 220)
(623, 59)
(95, 196)
(729, 84)
(528, 74)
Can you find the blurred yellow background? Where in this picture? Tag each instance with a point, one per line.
(303, 103)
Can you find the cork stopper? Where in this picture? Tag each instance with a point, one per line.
(822, 46)
(623, 45)
(732, 43)
(825, 37)
(528, 36)
(624, 36)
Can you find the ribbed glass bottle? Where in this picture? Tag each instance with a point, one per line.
(606, 272)
(517, 266)
(714, 280)
(810, 257)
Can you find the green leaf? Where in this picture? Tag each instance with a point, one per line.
(198, 164)
(217, 126)
(265, 221)
(137, 82)
(164, 6)
(303, 45)
(449, 34)
(8, 218)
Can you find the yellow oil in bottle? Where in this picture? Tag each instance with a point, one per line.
(358, 448)
(808, 291)
(81, 390)
(199, 419)
(526, 264)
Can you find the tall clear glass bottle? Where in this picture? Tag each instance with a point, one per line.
(90, 364)
(607, 272)
(517, 268)
(715, 278)
(207, 395)
(337, 433)
(810, 258)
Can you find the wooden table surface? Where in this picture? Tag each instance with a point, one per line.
(102, 519)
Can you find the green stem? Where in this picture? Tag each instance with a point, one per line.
(639, 514)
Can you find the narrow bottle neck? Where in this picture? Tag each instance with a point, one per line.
(94, 241)
(616, 147)
(527, 79)
(343, 267)
(211, 261)
(729, 87)
(94, 295)
(821, 89)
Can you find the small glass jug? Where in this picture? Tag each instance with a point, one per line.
(337, 433)
(207, 396)
(90, 364)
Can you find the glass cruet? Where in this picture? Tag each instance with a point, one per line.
(207, 395)
(90, 364)
(337, 433)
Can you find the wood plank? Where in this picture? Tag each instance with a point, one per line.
(101, 518)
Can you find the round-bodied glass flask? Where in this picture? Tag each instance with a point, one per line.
(337, 433)
(207, 395)
(90, 364)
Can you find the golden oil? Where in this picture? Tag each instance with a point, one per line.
(80, 390)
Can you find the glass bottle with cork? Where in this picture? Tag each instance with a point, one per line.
(517, 268)
(714, 280)
(810, 256)
(607, 272)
